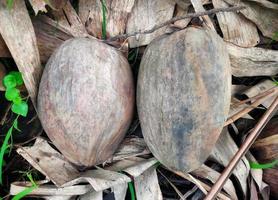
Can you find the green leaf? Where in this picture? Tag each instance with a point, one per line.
(17, 100)
(9, 81)
(104, 23)
(18, 77)
(131, 190)
(16, 126)
(24, 192)
(3, 149)
(254, 165)
(20, 109)
(12, 93)
(10, 4)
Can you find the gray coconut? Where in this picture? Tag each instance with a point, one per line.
(86, 100)
(183, 96)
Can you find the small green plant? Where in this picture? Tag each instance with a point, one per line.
(27, 190)
(131, 190)
(254, 165)
(104, 23)
(19, 107)
(10, 4)
(275, 81)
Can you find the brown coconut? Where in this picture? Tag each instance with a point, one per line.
(86, 100)
(183, 96)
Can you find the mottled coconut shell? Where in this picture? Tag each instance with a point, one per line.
(86, 100)
(184, 96)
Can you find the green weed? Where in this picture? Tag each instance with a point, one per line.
(19, 107)
(104, 23)
(27, 190)
(254, 165)
(131, 190)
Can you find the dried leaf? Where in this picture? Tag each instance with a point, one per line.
(68, 18)
(198, 7)
(266, 149)
(92, 196)
(270, 176)
(235, 27)
(252, 61)
(260, 88)
(43, 157)
(18, 33)
(146, 185)
(39, 5)
(49, 36)
(144, 16)
(50, 190)
(223, 152)
(183, 22)
(212, 175)
(91, 14)
(262, 12)
(120, 191)
(131, 147)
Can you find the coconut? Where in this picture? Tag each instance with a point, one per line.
(86, 100)
(183, 96)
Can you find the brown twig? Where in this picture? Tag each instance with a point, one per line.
(191, 15)
(242, 150)
(250, 107)
(265, 93)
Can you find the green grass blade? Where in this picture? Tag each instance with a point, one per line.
(10, 4)
(131, 190)
(4, 146)
(24, 192)
(104, 23)
(254, 165)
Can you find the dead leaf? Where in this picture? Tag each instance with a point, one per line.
(198, 7)
(144, 16)
(252, 61)
(18, 33)
(68, 18)
(146, 185)
(43, 158)
(49, 36)
(270, 176)
(235, 27)
(260, 88)
(262, 12)
(117, 13)
(223, 152)
(206, 172)
(39, 5)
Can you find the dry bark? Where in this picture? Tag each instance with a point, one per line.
(17, 31)
(180, 91)
(235, 27)
(85, 100)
